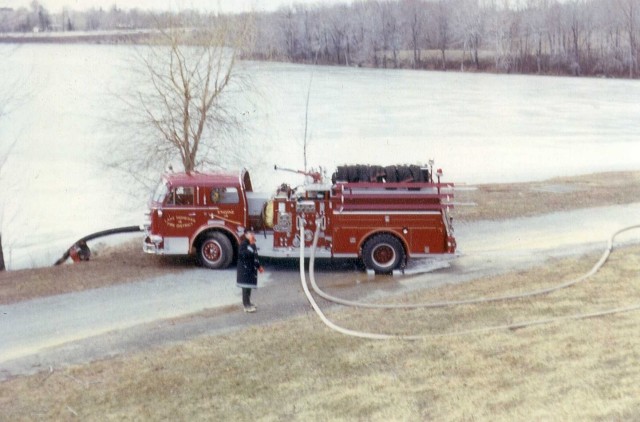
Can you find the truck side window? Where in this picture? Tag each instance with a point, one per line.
(224, 196)
(181, 195)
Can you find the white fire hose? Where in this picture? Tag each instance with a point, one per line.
(514, 326)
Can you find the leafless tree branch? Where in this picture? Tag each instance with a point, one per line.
(178, 108)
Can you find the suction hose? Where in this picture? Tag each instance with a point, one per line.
(84, 240)
(514, 326)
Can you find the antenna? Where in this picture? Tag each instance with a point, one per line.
(306, 113)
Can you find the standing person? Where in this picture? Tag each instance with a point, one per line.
(248, 267)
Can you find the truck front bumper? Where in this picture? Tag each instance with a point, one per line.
(152, 244)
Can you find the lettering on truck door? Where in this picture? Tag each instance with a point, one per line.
(178, 219)
(224, 207)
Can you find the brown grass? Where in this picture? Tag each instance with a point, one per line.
(299, 370)
(500, 201)
(112, 265)
(583, 370)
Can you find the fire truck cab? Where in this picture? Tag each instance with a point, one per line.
(368, 212)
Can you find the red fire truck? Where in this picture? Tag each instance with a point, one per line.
(381, 215)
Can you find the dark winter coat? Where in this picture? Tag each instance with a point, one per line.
(248, 264)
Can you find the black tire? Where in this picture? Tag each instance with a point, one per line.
(383, 253)
(391, 174)
(215, 251)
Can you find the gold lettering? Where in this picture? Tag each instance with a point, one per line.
(180, 222)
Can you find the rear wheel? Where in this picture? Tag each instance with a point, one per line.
(215, 251)
(383, 253)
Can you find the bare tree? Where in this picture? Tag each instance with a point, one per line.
(290, 36)
(12, 95)
(575, 22)
(339, 30)
(538, 28)
(389, 30)
(413, 15)
(265, 39)
(630, 12)
(41, 16)
(443, 23)
(501, 31)
(4, 155)
(3, 159)
(365, 36)
(470, 23)
(180, 107)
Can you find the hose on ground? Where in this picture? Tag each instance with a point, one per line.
(314, 304)
(443, 304)
(83, 241)
(513, 326)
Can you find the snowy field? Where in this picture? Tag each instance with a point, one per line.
(54, 187)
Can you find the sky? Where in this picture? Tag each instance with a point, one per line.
(225, 6)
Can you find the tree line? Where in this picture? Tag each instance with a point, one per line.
(578, 37)
(36, 18)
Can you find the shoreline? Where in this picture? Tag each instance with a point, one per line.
(144, 36)
(491, 200)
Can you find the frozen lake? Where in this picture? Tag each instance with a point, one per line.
(479, 128)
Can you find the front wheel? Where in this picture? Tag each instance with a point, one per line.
(383, 253)
(215, 251)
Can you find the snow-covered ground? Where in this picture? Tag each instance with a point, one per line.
(479, 128)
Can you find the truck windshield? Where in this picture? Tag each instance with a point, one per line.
(160, 192)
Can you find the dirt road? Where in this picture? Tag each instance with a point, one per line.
(72, 328)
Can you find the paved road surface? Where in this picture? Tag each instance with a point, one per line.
(77, 327)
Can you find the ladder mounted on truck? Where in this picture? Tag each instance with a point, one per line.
(394, 196)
